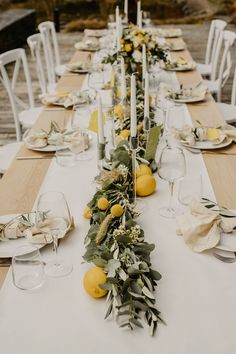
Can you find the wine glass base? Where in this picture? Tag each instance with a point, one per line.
(84, 156)
(170, 213)
(58, 269)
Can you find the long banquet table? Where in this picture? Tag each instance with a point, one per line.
(196, 295)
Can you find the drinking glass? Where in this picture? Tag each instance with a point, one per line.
(171, 167)
(146, 18)
(80, 122)
(27, 268)
(96, 80)
(53, 218)
(66, 157)
(190, 188)
(175, 117)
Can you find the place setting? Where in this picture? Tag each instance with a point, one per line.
(178, 65)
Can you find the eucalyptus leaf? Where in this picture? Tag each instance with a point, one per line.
(148, 293)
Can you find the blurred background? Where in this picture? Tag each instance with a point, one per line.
(79, 14)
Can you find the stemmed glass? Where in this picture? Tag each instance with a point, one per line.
(80, 122)
(172, 166)
(53, 218)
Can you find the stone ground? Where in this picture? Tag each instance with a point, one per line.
(194, 35)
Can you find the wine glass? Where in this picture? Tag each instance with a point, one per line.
(172, 166)
(96, 80)
(79, 123)
(53, 218)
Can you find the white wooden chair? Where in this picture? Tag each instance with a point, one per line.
(229, 109)
(217, 26)
(47, 29)
(24, 114)
(37, 45)
(222, 64)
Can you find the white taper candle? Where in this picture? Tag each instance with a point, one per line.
(144, 61)
(101, 139)
(118, 28)
(123, 82)
(138, 11)
(133, 114)
(126, 9)
(146, 97)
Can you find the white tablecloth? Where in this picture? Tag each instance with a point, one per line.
(196, 295)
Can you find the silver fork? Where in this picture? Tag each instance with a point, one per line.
(225, 259)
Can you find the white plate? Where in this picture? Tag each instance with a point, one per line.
(187, 100)
(78, 71)
(8, 248)
(86, 48)
(227, 242)
(183, 68)
(208, 145)
(48, 148)
(177, 49)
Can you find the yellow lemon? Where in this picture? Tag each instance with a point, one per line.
(181, 62)
(118, 92)
(103, 203)
(145, 185)
(128, 47)
(87, 214)
(142, 170)
(117, 210)
(93, 122)
(119, 111)
(124, 134)
(122, 41)
(213, 134)
(92, 279)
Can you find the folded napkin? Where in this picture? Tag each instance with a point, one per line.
(65, 100)
(179, 65)
(201, 227)
(90, 45)
(79, 65)
(183, 93)
(24, 226)
(188, 135)
(95, 33)
(57, 137)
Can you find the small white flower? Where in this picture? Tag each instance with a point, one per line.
(137, 56)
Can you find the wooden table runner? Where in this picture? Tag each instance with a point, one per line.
(221, 168)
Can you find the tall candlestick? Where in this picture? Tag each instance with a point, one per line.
(101, 139)
(140, 19)
(146, 97)
(123, 82)
(118, 28)
(133, 115)
(138, 11)
(126, 9)
(144, 61)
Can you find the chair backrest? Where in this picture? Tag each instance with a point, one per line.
(18, 59)
(227, 40)
(47, 29)
(216, 27)
(233, 94)
(35, 44)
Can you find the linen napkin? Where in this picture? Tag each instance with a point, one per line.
(60, 99)
(24, 226)
(87, 45)
(201, 227)
(189, 135)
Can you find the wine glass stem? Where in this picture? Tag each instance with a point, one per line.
(55, 248)
(171, 186)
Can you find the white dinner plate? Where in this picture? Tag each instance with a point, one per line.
(187, 100)
(227, 242)
(208, 145)
(183, 68)
(8, 248)
(48, 148)
(85, 48)
(78, 71)
(177, 49)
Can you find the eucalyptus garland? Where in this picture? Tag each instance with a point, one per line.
(115, 241)
(117, 244)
